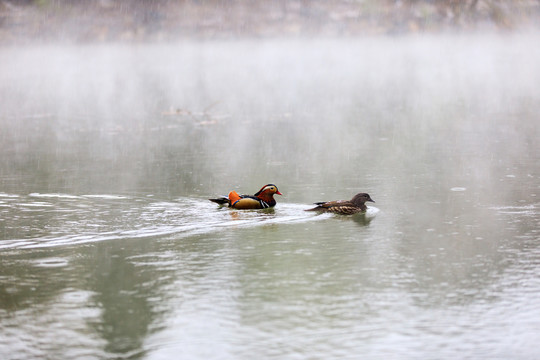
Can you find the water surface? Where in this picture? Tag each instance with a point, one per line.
(110, 152)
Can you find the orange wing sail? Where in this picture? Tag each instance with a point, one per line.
(234, 197)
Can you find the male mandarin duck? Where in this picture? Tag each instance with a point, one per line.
(262, 199)
(344, 207)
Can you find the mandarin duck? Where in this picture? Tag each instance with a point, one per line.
(262, 199)
(344, 207)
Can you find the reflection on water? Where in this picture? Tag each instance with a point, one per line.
(109, 154)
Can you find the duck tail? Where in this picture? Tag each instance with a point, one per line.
(319, 207)
(221, 201)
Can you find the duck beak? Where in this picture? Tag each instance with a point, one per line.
(371, 200)
(278, 193)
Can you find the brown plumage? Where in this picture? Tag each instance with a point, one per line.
(344, 207)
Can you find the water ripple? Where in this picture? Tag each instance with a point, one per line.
(62, 219)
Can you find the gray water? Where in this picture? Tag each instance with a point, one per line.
(110, 248)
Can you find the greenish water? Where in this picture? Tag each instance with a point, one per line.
(110, 249)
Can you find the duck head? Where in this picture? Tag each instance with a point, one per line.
(267, 191)
(361, 198)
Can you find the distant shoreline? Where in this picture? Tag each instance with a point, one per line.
(28, 21)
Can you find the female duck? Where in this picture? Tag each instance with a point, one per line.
(262, 199)
(344, 207)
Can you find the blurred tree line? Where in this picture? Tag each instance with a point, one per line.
(106, 20)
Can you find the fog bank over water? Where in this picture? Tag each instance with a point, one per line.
(208, 113)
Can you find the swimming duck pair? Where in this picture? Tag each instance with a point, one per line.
(264, 199)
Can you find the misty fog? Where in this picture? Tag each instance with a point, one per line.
(212, 112)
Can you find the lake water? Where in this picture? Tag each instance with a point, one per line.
(110, 249)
